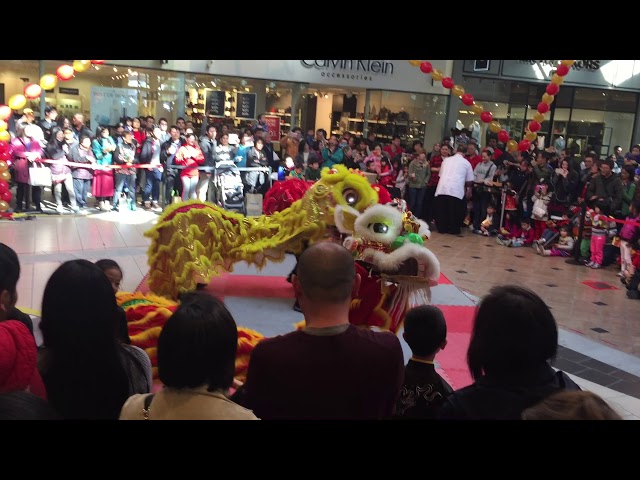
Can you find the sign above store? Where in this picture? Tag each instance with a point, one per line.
(589, 65)
(353, 69)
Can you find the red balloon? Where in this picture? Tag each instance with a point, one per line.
(98, 62)
(543, 107)
(447, 82)
(524, 145)
(486, 117)
(468, 99)
(553, 89)
(4, 146)
(426, 67)
(4, 186)
(6, 196)
(534, 126)
(503, 136)
(562, 70)
(5, 156)
(65, 72)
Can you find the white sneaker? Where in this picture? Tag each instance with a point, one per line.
(596, 266)
(590, 264)
(59, 209)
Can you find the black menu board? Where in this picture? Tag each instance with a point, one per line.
(215, 103)
(246, 106)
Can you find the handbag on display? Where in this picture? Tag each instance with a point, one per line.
(39, 175)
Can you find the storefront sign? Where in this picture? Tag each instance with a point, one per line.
(396, 75)
(246, 106)
(273, 126)
(620, 74)
(214, 102)
(353, 69)
(69, 91)
(109, 105)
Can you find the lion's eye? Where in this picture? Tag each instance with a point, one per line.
(378, 227)
(350, 196)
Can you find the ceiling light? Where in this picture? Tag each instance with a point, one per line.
(315, 94)
(246, 89)
(115, 69)
(326, 96)
(213, 83)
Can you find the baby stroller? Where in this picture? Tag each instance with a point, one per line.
(229, 187)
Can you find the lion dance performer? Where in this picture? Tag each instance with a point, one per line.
(194, 241)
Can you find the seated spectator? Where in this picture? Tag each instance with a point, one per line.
(23, 405)
(330, 369)
(114, 273)
(196, 364)
(489, 226)
(312, 172)
(297, 172)
(563, 248)
(571, 405)
(9, 276)
(423, 391)
(18, 360)
(87, 372)
(524, 236)
(514, 337)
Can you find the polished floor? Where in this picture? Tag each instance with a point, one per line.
(600, 326)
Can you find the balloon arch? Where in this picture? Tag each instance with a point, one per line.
(66, 72)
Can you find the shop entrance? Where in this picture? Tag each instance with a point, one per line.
(334, 109)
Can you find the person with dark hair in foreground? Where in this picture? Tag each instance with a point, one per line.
(424, 390)
(571, 405)
(513, 340)
(114, 273)
(196, 364)
(87, 371)
(9, 276)
(330, 369)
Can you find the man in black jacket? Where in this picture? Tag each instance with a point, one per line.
(171, 175)
(607, 186)
(49, 121)
(208, 145)
(79, 128)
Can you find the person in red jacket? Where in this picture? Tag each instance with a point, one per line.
(191, 157)
(524, 239)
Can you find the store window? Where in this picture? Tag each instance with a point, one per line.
(16, 74)
(106, 93)
(411, 116)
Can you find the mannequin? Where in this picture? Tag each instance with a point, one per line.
(541, 142)
(475, 131)
(459, 125)
(559, 143)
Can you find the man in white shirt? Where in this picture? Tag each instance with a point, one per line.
(456, 180)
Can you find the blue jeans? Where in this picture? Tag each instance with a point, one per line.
(121, 181)
(416, 199)
(81, 188)
(152, 188)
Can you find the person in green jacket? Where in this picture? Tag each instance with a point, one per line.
(103, 186)
(332, 153)
(628, 188)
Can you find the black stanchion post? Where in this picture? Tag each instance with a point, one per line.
(576, 259)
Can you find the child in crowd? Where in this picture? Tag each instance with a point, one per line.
(563, 248)
(511, 198)
(525, 238)
(298, 171)
(114, 273)
(387, 177)
(552, 227)
(585, 243)
(312, 173)
(371, 167)
(599, 231)
(628, 236)
(540, 211)
(511, 227)
(631, 278)
(401, 180)
(425, 331)
(489, 225)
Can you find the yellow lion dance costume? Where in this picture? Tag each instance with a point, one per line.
(194, 241)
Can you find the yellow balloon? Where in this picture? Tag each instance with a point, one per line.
(568, 63)
(16, 102)
(495, 126)
(539, 117)
(3, 125)
(437, 75)
(5, 136)
(457, 90)
(548, 99)
(557, 79)
(3, 166)
(81, 65)
(415, 63)
(4, 206)
(531, 136)
(512, 145)
(48, 81)
(477, 108)
(6, 176)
